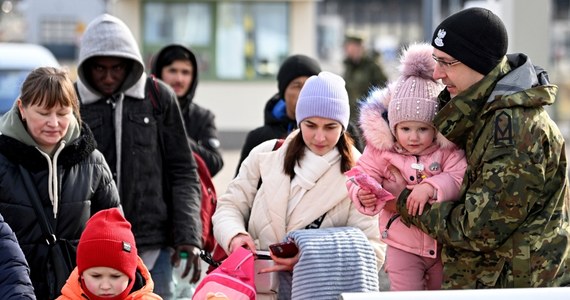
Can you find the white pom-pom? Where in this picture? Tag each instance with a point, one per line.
(417, 60)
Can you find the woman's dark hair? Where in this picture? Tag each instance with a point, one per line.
(48, 87)
(296, 151)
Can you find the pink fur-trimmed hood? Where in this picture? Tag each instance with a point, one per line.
(374, 119)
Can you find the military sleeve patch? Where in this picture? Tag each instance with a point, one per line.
(503, 129)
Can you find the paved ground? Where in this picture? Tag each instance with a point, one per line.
(221, 180)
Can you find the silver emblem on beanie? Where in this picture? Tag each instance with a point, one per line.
(438, 41)
(127, 246)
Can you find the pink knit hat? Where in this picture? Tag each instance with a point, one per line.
(415, 92)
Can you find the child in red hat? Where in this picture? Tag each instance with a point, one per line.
(108, 266)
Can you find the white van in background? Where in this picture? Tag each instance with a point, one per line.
(16, 61)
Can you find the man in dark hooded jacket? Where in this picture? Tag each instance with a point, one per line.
(145, 146)
(177, 66)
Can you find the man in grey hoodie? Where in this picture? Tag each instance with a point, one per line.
(142, 137)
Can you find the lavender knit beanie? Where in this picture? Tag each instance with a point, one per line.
(324, 96)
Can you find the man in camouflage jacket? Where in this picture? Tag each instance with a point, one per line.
(510, 227)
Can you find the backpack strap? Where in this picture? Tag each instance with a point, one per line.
(153, 93)
(317, 222)
(278, 144)
(45, 224)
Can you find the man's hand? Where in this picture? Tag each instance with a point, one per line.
(418, 198)
(192, 261)
(391, 206)
(395, 184)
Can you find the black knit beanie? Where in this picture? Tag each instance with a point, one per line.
(293, 67)
(474, 36)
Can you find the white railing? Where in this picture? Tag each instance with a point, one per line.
(492, 294)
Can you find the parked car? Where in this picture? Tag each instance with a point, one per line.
(16, 61)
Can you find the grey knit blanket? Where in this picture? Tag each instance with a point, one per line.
(332, 261)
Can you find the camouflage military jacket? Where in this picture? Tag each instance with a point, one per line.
(510, 226)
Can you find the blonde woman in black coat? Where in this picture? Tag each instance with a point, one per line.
(42, 139)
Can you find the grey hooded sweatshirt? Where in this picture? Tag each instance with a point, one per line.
(144, 143)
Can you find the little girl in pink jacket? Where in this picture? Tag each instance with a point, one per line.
(397, 124)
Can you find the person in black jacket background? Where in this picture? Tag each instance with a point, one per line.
(14, 271)
(44, 134)
(146, 147)
(177, 66)
(279, 111)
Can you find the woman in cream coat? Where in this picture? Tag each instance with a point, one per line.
(301, 181)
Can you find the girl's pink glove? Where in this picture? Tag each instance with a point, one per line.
(366, 182)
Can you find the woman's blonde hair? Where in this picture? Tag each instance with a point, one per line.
(48, 87)
(296, 151)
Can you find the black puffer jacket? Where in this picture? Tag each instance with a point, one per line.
(14, 270)
(85, 186)
(199, 121)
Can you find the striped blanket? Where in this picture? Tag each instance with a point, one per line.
(332, 261)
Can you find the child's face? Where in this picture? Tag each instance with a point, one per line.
(104, 281)
(414, 136)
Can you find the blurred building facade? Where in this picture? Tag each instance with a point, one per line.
(240, 44)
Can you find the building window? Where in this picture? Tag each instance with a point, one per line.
(232, 40)
(58, 31)
(60, 36)
(184, 23)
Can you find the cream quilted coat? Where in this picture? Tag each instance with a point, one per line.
(263, 212)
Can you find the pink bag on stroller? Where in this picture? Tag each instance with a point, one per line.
(234, 278)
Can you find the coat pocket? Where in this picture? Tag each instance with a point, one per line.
(491, 274)
(144, 131)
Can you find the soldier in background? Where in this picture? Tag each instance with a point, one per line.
(361, 72)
